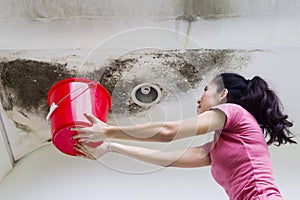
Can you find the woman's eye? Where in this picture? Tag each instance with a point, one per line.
(205, 89)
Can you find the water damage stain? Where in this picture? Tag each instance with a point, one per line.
(26, 82)
(109, 75)
(24, 85)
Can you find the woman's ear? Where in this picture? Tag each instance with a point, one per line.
(224, 94)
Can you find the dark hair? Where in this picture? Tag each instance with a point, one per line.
(257, 98)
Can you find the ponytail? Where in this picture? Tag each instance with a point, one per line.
(257, 98)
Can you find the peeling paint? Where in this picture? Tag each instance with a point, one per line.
(23, 127)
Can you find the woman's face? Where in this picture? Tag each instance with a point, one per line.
(211, 97)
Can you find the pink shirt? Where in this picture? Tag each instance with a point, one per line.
(240, 158)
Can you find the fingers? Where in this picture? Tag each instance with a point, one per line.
(84, 156)
(84, 136)
(80, 129)
(93, 153)
(91, 118)
(84, 152)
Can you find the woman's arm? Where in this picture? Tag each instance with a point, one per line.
(159, 131)
(167, 131)
(186, 158)
(192, 157)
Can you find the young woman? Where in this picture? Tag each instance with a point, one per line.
(243, 113)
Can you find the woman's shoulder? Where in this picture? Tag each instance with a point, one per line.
(233, 112)
(235, 115)
(230, 106)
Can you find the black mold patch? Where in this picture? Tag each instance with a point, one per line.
(25, 84)
(112, 73)
(7, 102)
(109, 76)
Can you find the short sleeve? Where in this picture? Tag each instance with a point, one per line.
(233, 114)
(207, 147)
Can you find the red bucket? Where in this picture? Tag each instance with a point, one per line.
(69, 99)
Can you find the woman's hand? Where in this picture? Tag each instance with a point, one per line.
(92, 153)
(92, 133)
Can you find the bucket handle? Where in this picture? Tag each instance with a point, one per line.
(54, 106)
